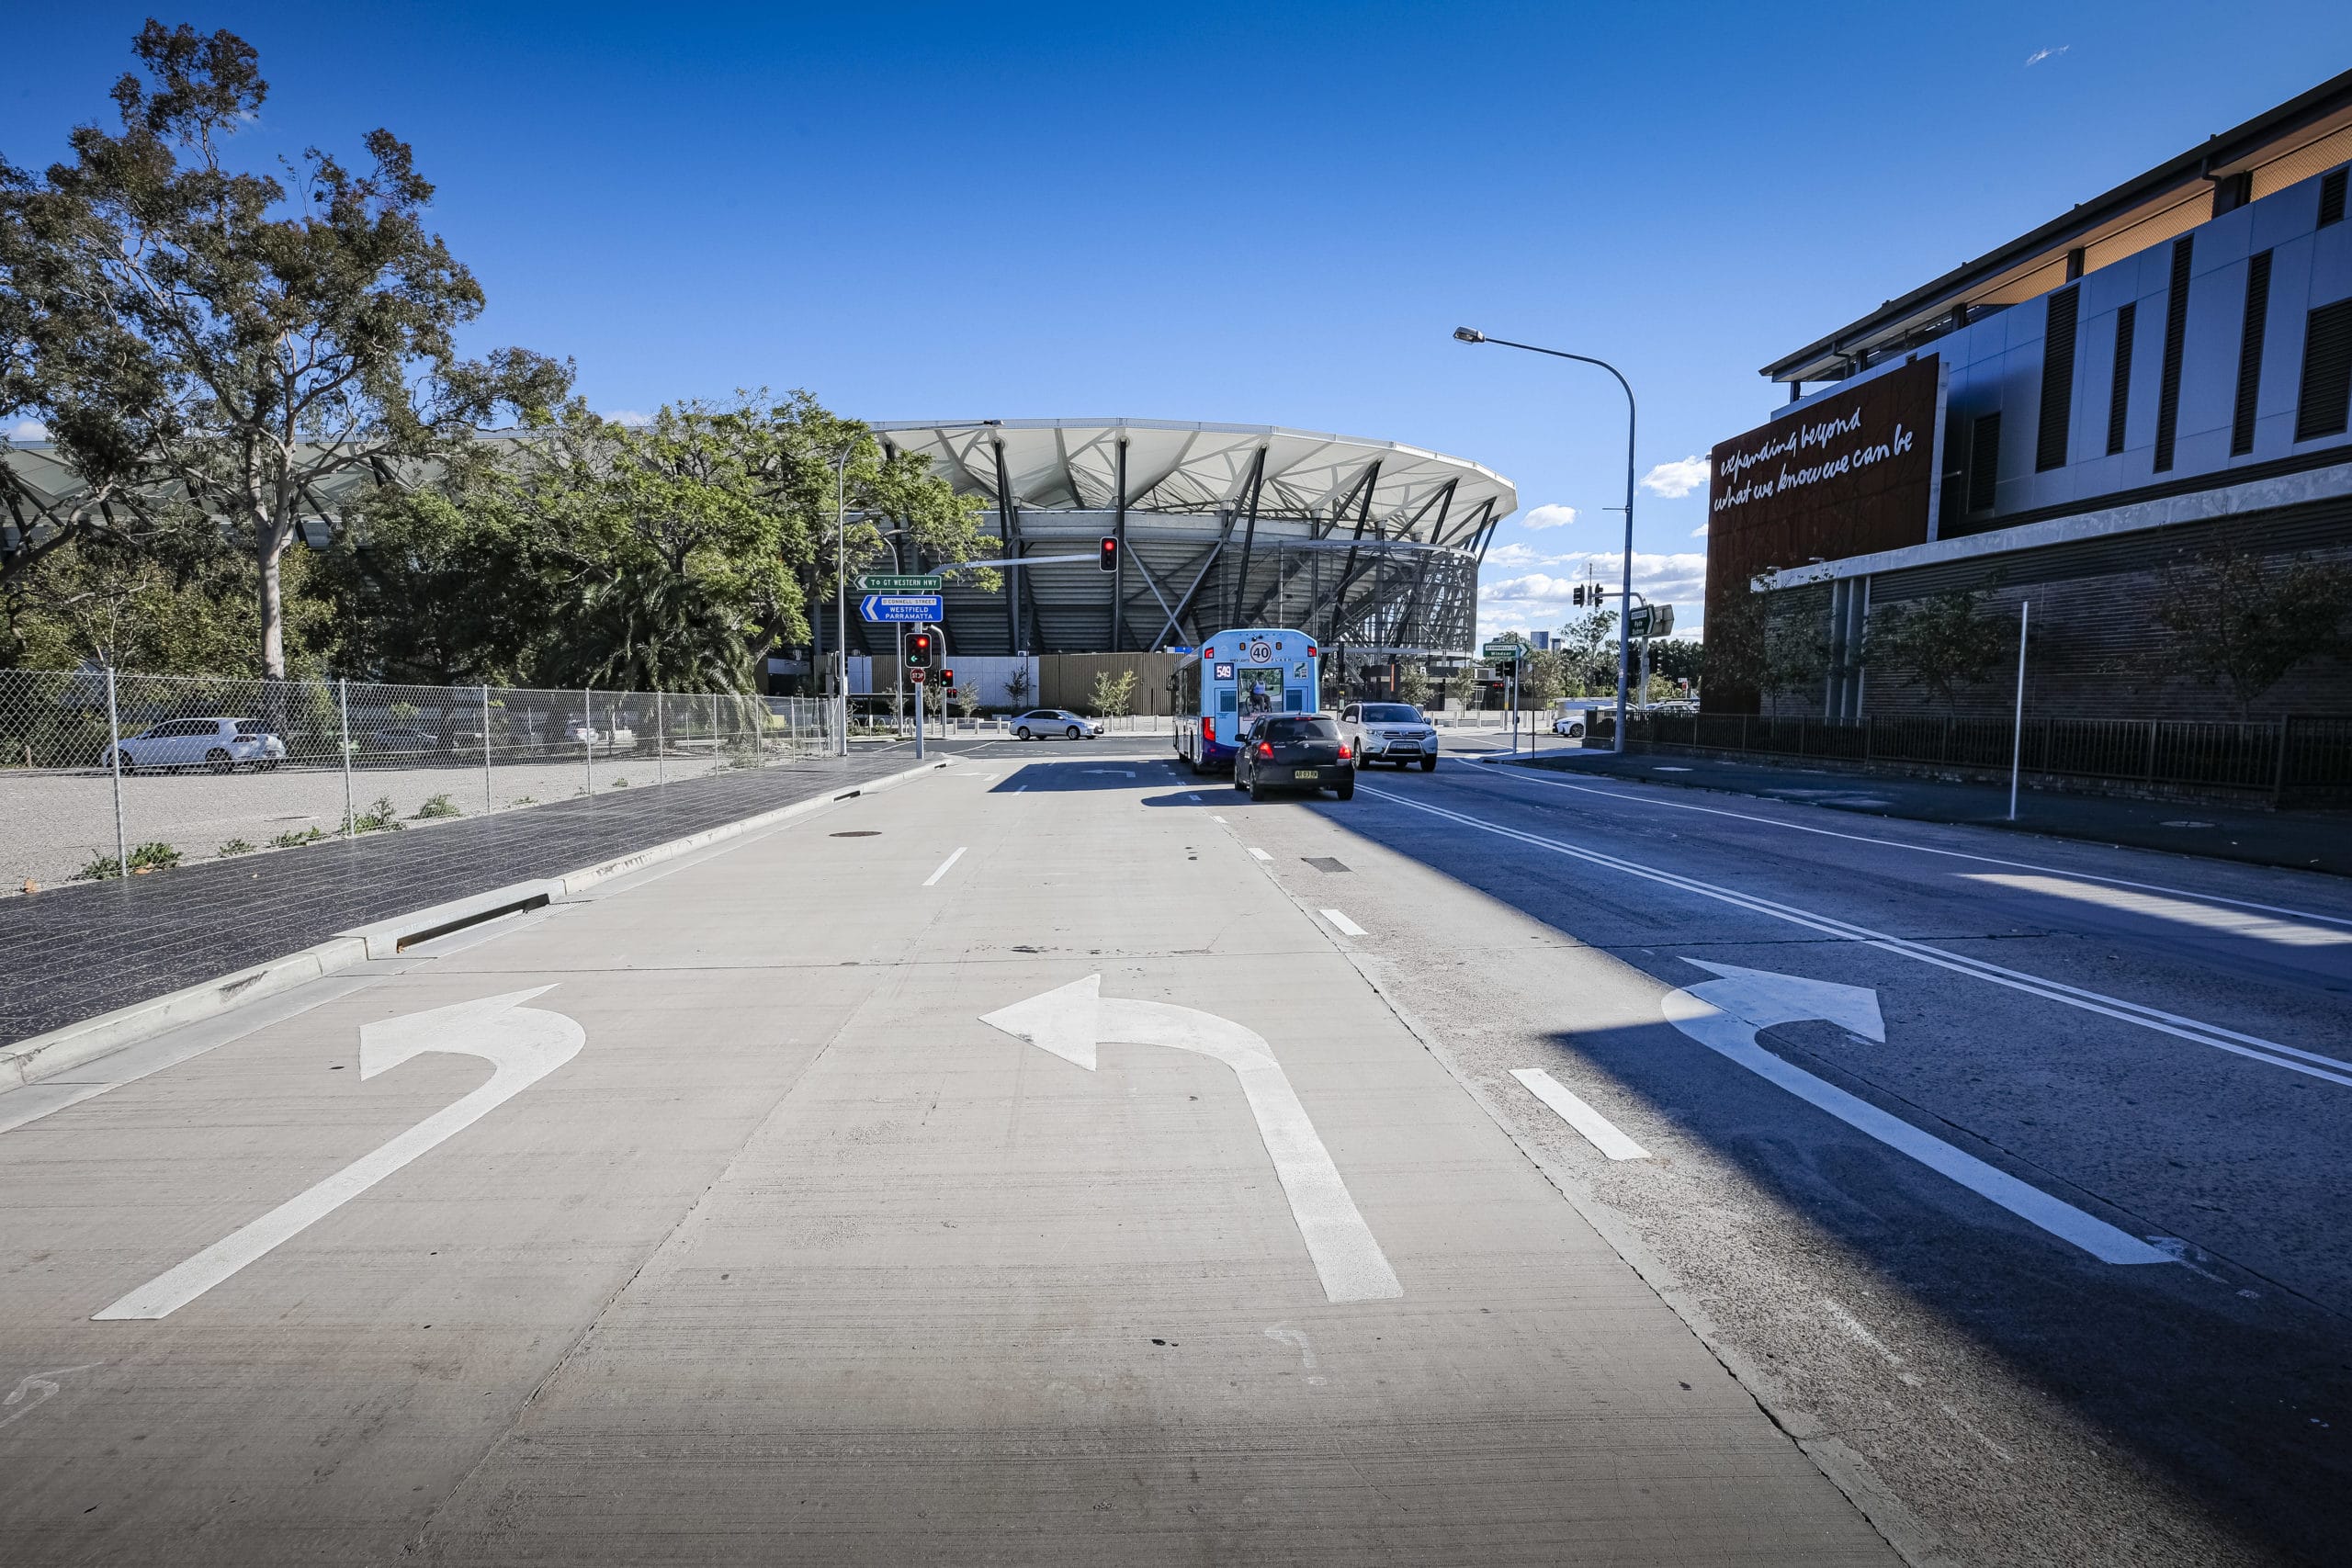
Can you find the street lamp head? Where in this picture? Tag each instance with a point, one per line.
(1469, 334)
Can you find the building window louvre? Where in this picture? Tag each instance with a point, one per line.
(1984, 461)
(2324, 404)
(2175, 324)
(2331, 197)
(2257, 312)
(2057, 380)
(2119, 397)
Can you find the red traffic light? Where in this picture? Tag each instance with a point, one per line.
(947, 677)
(919, 652)
(1109, 559)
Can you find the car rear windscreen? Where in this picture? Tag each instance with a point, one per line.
(1293, 730)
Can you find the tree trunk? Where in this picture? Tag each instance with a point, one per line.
(272, 607)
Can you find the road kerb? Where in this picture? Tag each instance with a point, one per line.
(46, 1055)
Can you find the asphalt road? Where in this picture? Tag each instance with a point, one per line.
(1063, 1159)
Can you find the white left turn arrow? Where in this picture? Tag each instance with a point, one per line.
(1072, 1021)
(523, 1044)
(1725, 1016)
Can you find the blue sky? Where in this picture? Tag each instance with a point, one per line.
(1266, 214)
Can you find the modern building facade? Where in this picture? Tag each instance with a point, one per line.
(1367, 545)
(2159, 374)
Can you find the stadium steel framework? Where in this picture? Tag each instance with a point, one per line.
(1367, 544)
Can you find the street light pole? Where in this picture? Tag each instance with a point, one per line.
(1624, 633)
(840, 599)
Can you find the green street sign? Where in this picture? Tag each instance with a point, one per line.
(1505, 651)
(877, 583)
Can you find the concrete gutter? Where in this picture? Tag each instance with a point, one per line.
(46, 1055)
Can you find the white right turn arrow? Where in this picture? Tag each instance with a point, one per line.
(1724, 1015)
(1073, 1021)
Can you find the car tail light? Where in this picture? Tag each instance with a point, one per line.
(1208, 729)
(1265, 747)
(1344, 752)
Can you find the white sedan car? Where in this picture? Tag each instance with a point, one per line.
(1389, 732)
(222, 745)
(1570, 725)
(1038, 723)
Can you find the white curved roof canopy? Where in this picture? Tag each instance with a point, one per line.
(1183, 467)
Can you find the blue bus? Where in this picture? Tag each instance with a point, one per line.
(1236, 676)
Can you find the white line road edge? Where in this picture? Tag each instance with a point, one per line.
(1724, 1015)
(523, 1045)
(1521, 775)
(1073, 1021)
(1259, 854)
(945, 865)
(1341, 924)
(2292, 1057)
(1598, 1130)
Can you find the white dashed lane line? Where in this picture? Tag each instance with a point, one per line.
(1599, 1130)
(1259, 854)
(943, 866)
(1343, 925)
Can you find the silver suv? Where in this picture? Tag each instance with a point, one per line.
(1389, 732)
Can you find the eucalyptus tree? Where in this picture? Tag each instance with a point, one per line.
(189, 328)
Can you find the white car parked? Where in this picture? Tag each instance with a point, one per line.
(1389, 732)
(618, 737)
(1038, 723)
(222, 745)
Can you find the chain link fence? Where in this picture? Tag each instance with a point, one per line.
(104, 772)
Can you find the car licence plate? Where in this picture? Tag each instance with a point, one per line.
(1305, 776)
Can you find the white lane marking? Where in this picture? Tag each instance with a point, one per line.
(1073, 1021)
(1214, 818)
(1284, 1333)
(2262, 927)
(944, 865)
(1724, 1014)
(42, 1388)
(1259, 854)
(1517, 775)
(1019, 788)
(523, 1044)
(2195, 1031)
(1118, 772)
(1193, 798)
(1599, 1131)
(1346, 927)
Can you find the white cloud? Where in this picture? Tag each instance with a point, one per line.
(2045, 53)
(1541, 598)
(1551, 515)
(1518, 555)
(1675, 480)
(628, 416)
(1699, 532)
(29, 429)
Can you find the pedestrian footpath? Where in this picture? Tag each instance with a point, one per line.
(2304, 841)
(82, 950)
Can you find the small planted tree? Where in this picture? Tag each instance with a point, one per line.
(1944, 644)
(1414, 685)
(966, 698)
(1114, 696)
(1016, 686)
(2240, 622)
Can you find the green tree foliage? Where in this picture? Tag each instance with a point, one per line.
(2240, 621)
(1944, 644)
(1114, 696)
(1679, 661)
(1542, 678)
(1588, 649)
(191, 329)
(1413, 684)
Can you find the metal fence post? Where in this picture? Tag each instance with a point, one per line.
(113, 750)
(489, 796)
(342, 706)
(588, 729)
(660, 742)
(2279, 773)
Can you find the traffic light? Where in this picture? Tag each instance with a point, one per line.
(1576, 595)
(1109, 559)
(947, 677)
(919, 650)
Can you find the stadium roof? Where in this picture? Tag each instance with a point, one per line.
(1181, 467)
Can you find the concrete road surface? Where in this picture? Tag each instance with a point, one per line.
(1065, 1159)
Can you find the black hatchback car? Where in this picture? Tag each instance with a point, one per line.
(1295, 751)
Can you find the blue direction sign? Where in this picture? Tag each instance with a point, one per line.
(913, 609)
